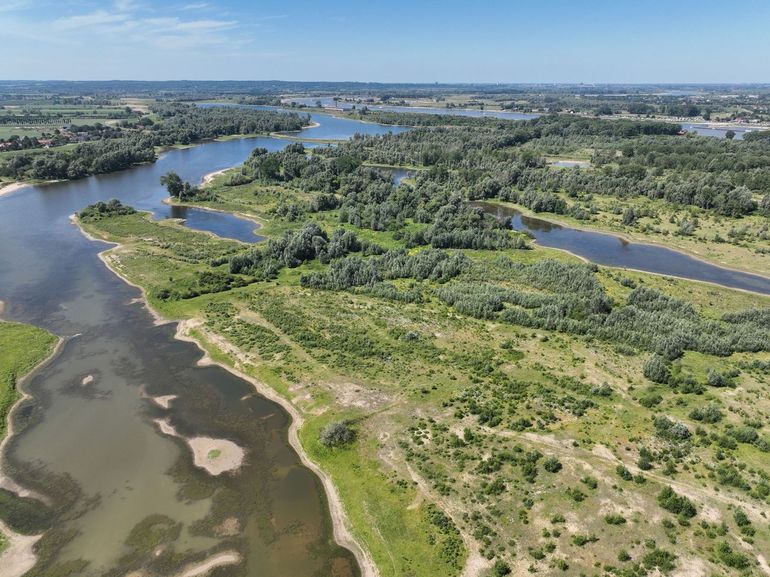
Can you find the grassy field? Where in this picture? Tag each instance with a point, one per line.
(483, 444)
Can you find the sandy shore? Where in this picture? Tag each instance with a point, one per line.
(219, 560)
(207, 178)
(110, 261)
(12, 187)
(20, 557)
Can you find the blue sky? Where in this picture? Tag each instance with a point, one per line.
(393, 41)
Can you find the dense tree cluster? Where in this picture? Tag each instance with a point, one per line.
(367, 198)
(294, 248)
(102, 210)
(482, 158)
(353, 271)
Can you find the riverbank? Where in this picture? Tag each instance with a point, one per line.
(191, 330)
(25, 348)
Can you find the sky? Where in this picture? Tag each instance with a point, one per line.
(591, 41)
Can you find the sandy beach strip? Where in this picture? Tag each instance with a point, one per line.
(207, 178)
(19, 557)
(12, 187)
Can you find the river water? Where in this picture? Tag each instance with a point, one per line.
(95, 450)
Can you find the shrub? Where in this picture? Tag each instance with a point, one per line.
(659, 559)
(337, 434)
(581, 540)
(731, 558)
(707, 414)
(677, 504)
(552, 465)
(501, 568)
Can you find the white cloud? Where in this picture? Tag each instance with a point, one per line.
(85, 20)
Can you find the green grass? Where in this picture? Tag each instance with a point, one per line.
(21, 348)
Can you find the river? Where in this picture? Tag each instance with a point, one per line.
(611, 250)
(88, 440)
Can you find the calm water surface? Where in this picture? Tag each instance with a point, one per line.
(610, 250)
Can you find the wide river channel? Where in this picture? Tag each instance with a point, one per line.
(95, 449)
(122, 493)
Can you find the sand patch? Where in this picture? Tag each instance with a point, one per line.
(691, 567)
(212, 175)
(350, 394)
(230, 527)
(164, 400)
(604, 452)
(216, 456)
(12, 187)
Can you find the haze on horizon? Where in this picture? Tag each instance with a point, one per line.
(496, 41)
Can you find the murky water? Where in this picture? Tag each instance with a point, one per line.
(89, 442)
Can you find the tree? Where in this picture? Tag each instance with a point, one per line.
(173, 183)
(730, 134)
(629, 216)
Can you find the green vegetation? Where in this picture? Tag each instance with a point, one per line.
(375, 355)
